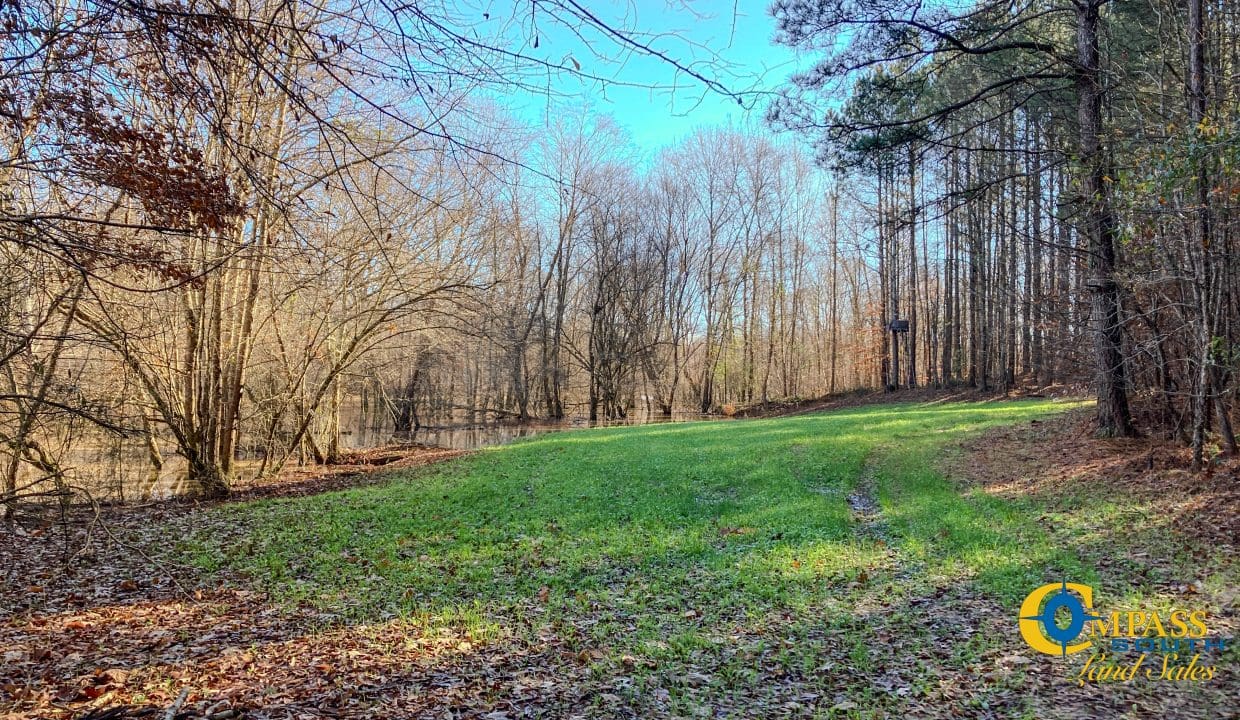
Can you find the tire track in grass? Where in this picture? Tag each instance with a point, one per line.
(867, 513)
(931, 625)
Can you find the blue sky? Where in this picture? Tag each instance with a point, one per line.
(727, 41)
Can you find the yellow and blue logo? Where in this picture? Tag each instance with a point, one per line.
(1039, 624)
(1060, 619)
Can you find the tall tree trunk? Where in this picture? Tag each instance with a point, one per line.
(1113, 418)
(884, 294)
(1035, 301)
(949, 284)
(835, 293)
(911, 336)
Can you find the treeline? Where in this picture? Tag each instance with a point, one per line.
(232, 237)
(1075, 163)
(717, 275)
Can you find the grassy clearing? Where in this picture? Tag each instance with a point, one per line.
(698, 566)
(648, 516)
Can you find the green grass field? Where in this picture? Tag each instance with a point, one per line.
(723, 568)
(722, 518)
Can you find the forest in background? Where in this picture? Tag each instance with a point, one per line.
(223, 226)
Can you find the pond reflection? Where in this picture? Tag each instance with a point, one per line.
(119, 470)
(471, 436)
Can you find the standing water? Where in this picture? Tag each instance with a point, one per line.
(471, 436)
(119, 470)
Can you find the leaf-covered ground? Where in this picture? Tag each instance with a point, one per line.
(860, 563)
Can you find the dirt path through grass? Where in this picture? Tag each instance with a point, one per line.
(867, 514)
